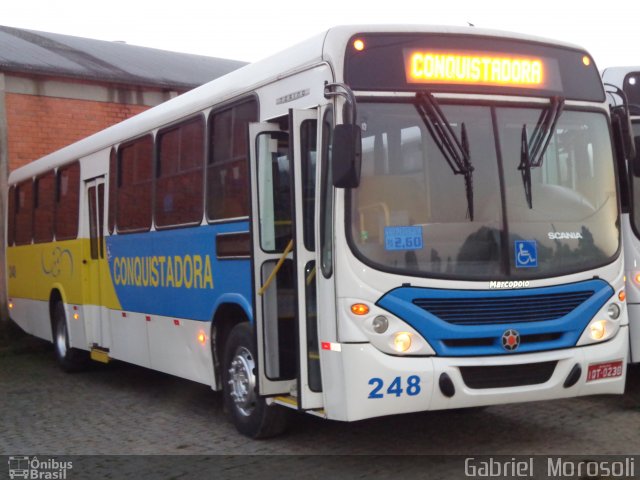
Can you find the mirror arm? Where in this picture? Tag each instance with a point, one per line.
(331, 90)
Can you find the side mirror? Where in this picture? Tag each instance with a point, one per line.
(621, 121)
(346, 156)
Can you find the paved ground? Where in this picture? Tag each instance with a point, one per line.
(122, 409)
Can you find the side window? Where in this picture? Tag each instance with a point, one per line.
(24, 213)
(308, 134)
(134, 185)
(11, 220)
(44, 207)
(227, 166)
(274, 190)
(113, 177)
(326, 197)
(67, 202)
(179, 174)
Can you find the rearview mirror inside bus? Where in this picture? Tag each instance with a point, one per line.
(346, 154)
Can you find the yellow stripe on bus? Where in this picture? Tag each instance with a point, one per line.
(35, 270)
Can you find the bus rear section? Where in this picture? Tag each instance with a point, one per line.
(623, 87)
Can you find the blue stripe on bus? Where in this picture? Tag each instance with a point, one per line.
(175, 273)
(485, 337)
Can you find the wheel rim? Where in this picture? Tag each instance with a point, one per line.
(242, 381)
(61, 338)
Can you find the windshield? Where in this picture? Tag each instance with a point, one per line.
(411, 212)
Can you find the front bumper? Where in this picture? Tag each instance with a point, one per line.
(374, 384)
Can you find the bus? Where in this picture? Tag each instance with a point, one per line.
(380, 220)
(623, 84)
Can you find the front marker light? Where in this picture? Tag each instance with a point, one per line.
(380, 324)
(613, 310)
(598, 329)
(402, 341)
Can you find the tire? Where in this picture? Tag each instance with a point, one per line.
(69, 359)
(249, 412)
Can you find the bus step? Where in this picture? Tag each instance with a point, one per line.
(292, 402)
(317, 412)
(286, 401)
(100, 355)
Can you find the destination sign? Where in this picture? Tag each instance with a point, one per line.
(473, 68)
(469, 64)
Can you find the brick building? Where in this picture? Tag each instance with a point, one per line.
(56, 89)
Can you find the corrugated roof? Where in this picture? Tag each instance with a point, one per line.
(43, 53)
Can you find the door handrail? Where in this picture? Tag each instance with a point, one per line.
(274, 272)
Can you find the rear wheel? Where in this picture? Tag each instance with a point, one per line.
(69, 359)
(248, 411)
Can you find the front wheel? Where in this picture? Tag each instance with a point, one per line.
(69, 359)
(249, 412)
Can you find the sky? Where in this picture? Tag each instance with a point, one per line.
(252, 30)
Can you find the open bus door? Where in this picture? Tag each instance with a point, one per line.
(282, 194)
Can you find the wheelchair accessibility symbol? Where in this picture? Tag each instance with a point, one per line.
(526, 253)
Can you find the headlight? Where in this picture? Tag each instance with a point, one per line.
(598, 329)
(402, 341)
(605, 323)
(385, 331)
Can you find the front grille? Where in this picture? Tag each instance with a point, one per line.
(507, 375)
(500, 310)
(486, 341)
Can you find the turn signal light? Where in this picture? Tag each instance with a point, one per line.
(358, 44)
(622, 295)
(202, 338)
(359, 309)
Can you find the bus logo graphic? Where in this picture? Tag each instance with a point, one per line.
(58, 262)
(526, 253)
(18, 467)
(511, 340)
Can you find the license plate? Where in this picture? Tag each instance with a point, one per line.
(599, 371)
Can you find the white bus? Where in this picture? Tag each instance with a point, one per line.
(623, 83)
(377, 221)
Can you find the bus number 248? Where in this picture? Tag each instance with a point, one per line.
(397, 387)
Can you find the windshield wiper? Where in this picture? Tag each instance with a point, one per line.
(455, 151)
(532, 150)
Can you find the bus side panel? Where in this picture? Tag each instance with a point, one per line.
(168, 284)
(28, 315)
(36, 270)
(129, 337)
(631, 261)
(634, 332)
